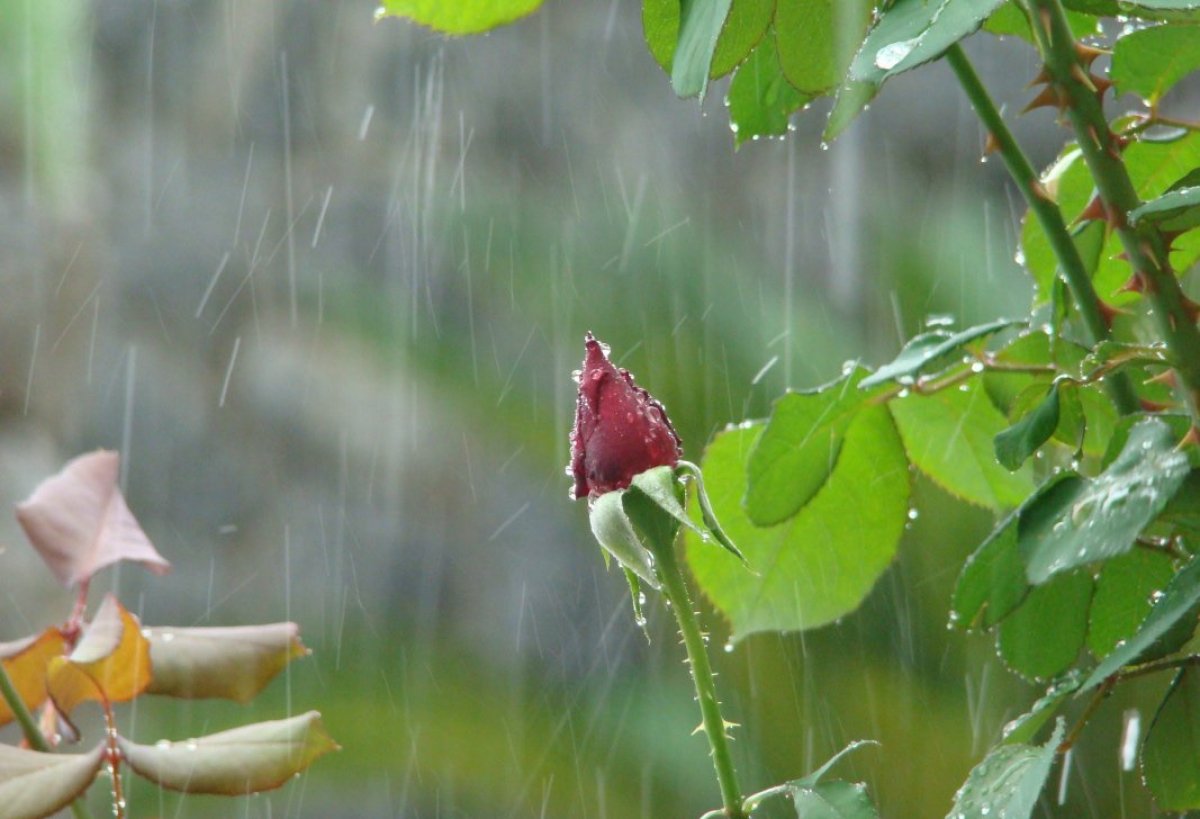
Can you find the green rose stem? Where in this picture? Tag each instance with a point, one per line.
(1048, 216)
(675, 589)
(30, 729)
(1145, 246)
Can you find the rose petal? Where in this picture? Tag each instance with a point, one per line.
(620, 430)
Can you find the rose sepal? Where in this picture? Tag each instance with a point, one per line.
(633, 524)
(615, 534)
(687, 470)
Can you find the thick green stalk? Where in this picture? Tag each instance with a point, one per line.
(30, 729)
(1145, 246)
(675, 588)
(1048, 216)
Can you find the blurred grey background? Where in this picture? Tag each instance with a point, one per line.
(323, 282)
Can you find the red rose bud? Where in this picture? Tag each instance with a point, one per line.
(620, 430)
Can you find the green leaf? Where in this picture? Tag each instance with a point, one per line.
(1171, 753)
(930, 348)
(1183, 512)
(1176, 210)
(461, 16)
(1149, 61)
(798, 449)
(1106, 8)
(907, 34)
(833, 800)
(1025, 727)
(821, 563)
(1179, 424)
(700, 26)
(1100, 418)
(1100, 517)
(1161, 9)
(662, 486)
(948, 435)
(34, 784)
(760, 98)
(1029, 349)
(1043, 636)
(1153, 168)
(1015, 444)
(744, 30)
(1112, 354)
(816, 776)
(992, 582)
(1088, 238)
(244, 760)
(1008, 20)
(233, 662)
(1124, 590)
(817, 39)
(809, 782)
(1008, 781)
(1177, 604)
(745, 26)
(1072, 417)
(660, 28)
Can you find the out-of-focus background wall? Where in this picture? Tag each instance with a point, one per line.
(323, 282)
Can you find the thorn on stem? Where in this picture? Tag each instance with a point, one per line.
(1108, 312)
(1191, 308)
(1049, 97)
(1166, 377)
(1169, 237)
(1155, 406)
(1095, 210)
(1082, 77)
(1087, 54)
(1047, 23)
(1039, 191)
(1043, 76)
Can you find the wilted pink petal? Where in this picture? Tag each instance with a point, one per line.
(79, 523)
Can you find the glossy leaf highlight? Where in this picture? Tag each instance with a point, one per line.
(1097, 518)
(1008, 781)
